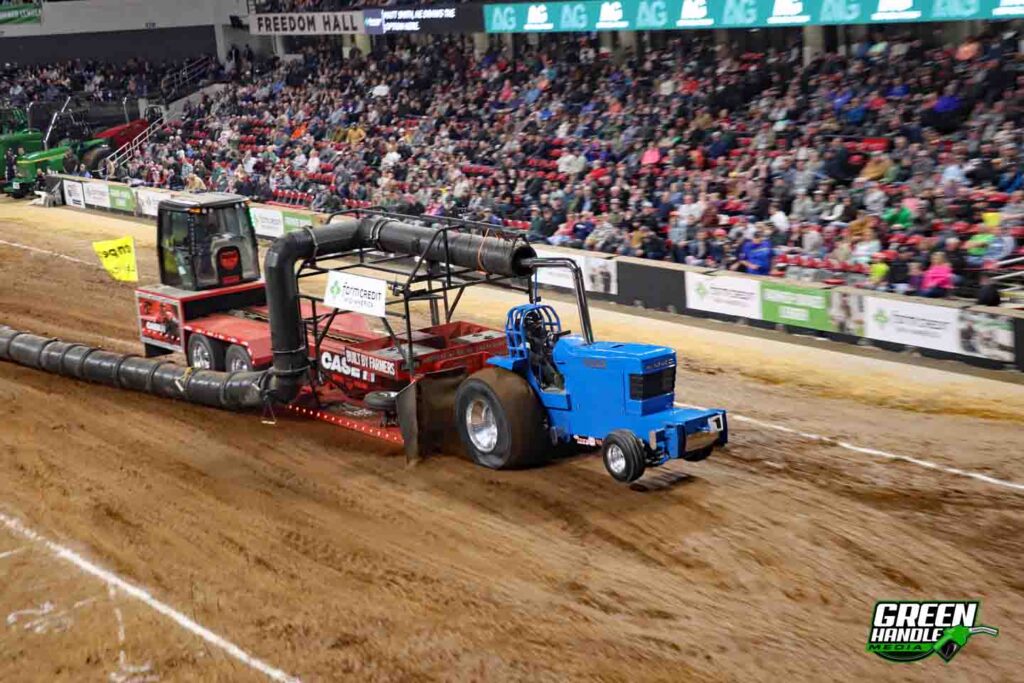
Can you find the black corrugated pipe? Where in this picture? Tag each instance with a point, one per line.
(232, 390)
(240, 390)
(287, 334)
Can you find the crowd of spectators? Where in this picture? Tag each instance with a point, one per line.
(897, 166)
(91, 80)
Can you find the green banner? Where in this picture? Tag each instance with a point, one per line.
(296, 221)
(629, 15)
(22, 14)
(795, 305)
(122, 198)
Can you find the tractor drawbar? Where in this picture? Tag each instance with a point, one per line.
(231, 390)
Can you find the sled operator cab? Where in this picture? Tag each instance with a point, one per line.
(206, 242)
(209, 264)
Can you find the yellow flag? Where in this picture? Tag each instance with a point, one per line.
(118, 257)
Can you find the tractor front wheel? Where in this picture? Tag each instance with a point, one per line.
(500, 420)
(625, 456)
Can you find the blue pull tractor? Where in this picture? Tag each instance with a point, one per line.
(556, 388)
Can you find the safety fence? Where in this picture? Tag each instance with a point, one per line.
(979, 335)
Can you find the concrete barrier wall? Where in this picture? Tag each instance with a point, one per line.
(990, 337)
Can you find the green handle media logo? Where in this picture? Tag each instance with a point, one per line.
(908, 631)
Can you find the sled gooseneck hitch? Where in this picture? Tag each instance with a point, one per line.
(579, 285)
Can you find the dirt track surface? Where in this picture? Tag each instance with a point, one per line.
(321, 553)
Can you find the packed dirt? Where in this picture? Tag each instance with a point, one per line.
(323, 554)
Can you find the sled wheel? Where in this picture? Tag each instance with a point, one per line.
(237, 359)
(382, 401)
(205, 353)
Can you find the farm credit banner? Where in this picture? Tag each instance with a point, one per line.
(627, 15)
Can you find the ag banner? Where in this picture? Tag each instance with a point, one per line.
(121, 198)
(22, 14)
(96, 194)
(73, 194)
(296, 221)
(724, 294)
(118, 257)
(987, 335)
(266, 221)
(600, 275)
(921, 325)
(798, 306)
(628, 15)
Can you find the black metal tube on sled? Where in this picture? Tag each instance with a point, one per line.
(287, 334)
(231, 390)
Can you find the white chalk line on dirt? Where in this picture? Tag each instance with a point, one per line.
(26, 247)
(832, 441)
(111, 579)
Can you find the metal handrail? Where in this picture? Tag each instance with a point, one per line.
(175, 82)
(125, 152)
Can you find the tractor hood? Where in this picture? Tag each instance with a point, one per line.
(633, 358)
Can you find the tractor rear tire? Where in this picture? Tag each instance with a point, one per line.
(237, 359)
(204, 353)
(624, 455)
(500, 420)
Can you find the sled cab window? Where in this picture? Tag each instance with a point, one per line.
(175, 258)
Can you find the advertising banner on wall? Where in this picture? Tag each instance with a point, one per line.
(96, 194)
(149, 200)
(307, 24)
(22, 13)
(122, 198)
(456, 19)
(600, 275)
(296, 221)
(921, 325)
(73, 194)
(846, 312)
(630, 15)
(267, 222)
(724, 294)
(986, 335)
(790, 304)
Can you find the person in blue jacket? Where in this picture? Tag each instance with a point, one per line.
(755, 256)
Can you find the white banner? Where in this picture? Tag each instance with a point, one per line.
(149, 200)
(921, 325)
(600, 275)
(73, 195)
(348, 292)
(724, 294)
(97, 194)
(986, 335)
(267, 222)
(306, 24)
